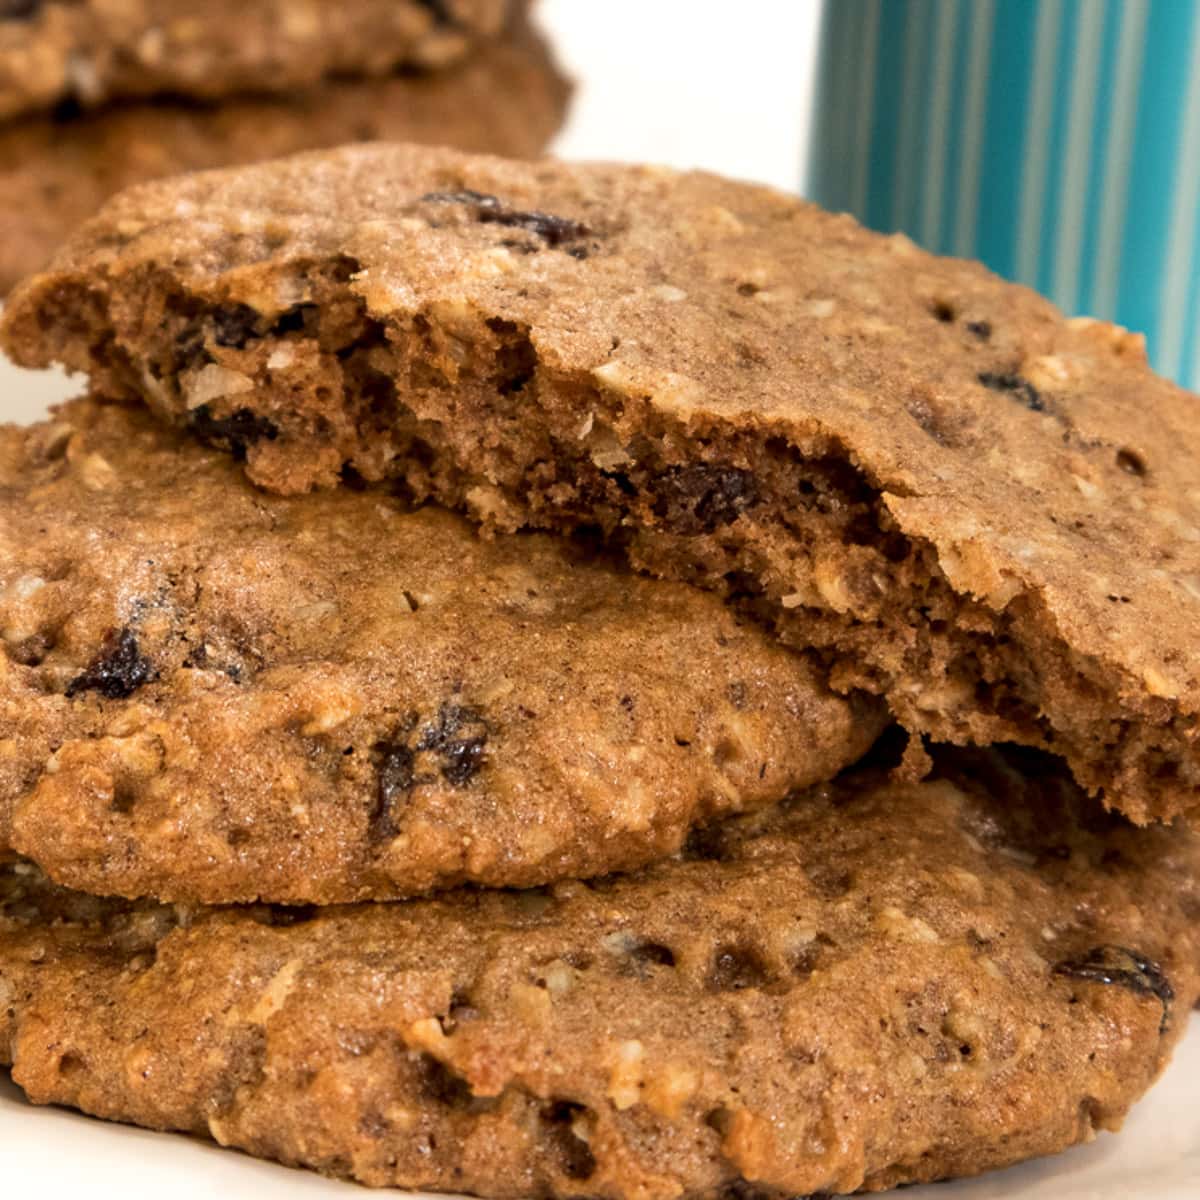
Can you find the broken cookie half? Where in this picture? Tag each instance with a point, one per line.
(208, 693)
(874, 984)
(981, 511)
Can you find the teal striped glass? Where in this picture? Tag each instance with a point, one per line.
(1056, 140)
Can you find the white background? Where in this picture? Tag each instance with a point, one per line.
(695, 83)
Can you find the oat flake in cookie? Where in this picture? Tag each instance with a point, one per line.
(209, 693)
(871, 985)
(982, 511)
(87, 52)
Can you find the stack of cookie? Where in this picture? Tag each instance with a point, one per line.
(97, 95)
(350, 838)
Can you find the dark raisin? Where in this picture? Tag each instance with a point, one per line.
(575, 1157)
(1018, 385)
(117, 671)
(943, 310)
(981, 329)
(234, 433)
(395, 778)
(458, 738)
(234, 325)
(300, 318)
(1122, 968)
(701, 498)
(19, 10)
(554, 231)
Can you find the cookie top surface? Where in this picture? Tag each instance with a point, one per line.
(870, 985)
(508, 98)
(88, 52)
(209, 693)
(1048, 479)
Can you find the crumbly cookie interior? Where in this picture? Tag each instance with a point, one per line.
(453, 405)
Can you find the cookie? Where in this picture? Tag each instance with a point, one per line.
(88, 52)
(211, 694)
(509, 98)
(875, 984)
(982, 511)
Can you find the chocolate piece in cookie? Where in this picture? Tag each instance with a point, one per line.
(507, 98)
(209, 693)
(88, 52)
(1000, 534)
(866, 988)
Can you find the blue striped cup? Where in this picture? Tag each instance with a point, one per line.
(1056, 140)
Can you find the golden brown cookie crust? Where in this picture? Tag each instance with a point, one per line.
(208, 693)
(872, 985)
(982, 511)
(508, 98)
(89, 52)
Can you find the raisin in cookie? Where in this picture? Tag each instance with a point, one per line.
(212, 694)
(87, 52)
(507, 98)
(872, 985)
(982, 511)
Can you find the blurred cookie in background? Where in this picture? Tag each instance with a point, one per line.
(509, 98)
(95, 51)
